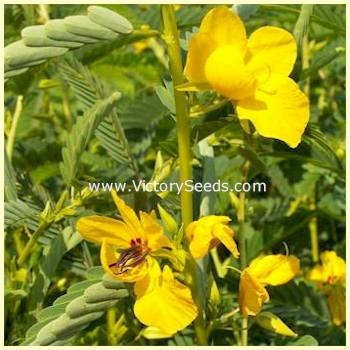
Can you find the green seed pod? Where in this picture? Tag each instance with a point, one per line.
(36, 36)
(55, 29)
(111, 283)
(82, 25)
(18, 54)
(109, 19)
(98, 292)
(45, 337)
(78, 307)
(65, 326)
(14, 72)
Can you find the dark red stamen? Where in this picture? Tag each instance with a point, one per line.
(131, 257)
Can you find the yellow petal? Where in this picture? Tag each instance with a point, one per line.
(274, 269)
(252, 294)
(225, 235)
(129, 217)
(228, 74)
(97, 228)
(318, 274)
(204, 233)
(108, 257)
(271, 322)
(274, 47)
(154, 333)
(334, 267)
(167, 305)
(200, 47)
(337, 304)
(200, 238)
(155, 238)
(279, 109)
(225, 27)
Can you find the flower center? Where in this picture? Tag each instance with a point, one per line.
(228, 74)
(131, 257)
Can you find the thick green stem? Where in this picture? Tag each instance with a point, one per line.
(242, 246)
(182, 119)
(183, 133)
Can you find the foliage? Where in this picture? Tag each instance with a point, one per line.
(104, 112)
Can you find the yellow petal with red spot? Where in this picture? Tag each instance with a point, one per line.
(200, 47)
(97, 228)
(252, 294)
(227, 73)
(154, 234)
(274, 269)
(278, 109)
(274, 47)
(225, 27)
(129, 216)
(332, 270)
(163, 302)
(109, 257)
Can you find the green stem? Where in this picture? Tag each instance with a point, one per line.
(33, 239)
(242, 246)
(313, 230)
(183, 133)
(12, 133)
(183, 128)
(111, 321)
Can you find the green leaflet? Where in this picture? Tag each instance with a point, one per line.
(18, 54)
(82, 25)
(109, 19)
(81, 134)
(88, 89)
(56, 30)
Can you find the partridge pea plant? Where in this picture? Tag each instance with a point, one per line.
(103, 104)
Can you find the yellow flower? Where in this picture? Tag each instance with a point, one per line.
(332, 270)
(126, 254)
(331, 276)
(126, 246)
(252, 73)
(208, 232)
(266, 270)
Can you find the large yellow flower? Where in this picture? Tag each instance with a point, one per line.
(208, 232)
(266, 270)
(331, 276)
(126, 254)
(252, 72)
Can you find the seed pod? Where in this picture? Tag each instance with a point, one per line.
(14, 72)
(109, 19)
(111, 283)
(55, 29)
(98, 292)
(36, 36)
(82, 25)
(78, 307)
(18, 54)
